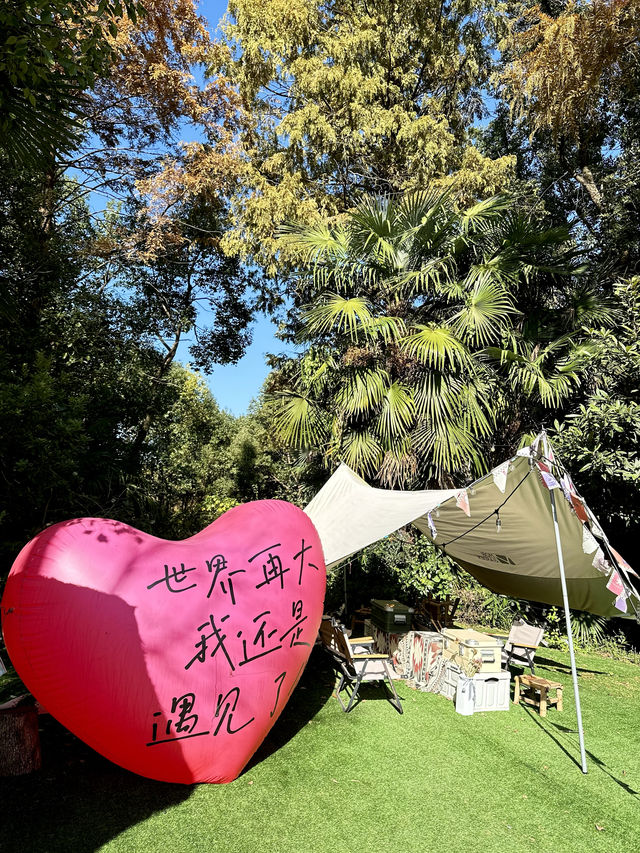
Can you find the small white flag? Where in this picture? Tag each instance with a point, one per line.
(500, 476)
(549, 480)
(599, 562)
(589, 543)
(462, 501)
(432, 527)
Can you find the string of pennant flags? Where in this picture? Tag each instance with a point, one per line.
(554, 476)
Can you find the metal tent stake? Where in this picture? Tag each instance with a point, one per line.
(567, 616)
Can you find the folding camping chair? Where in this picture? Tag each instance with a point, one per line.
(522, 644)
(356, 662)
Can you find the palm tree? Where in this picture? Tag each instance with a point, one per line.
(404, 302)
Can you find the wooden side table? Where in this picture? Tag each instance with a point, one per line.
(537, 692)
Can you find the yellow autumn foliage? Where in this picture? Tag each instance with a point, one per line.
(562, 68)
(353, 96)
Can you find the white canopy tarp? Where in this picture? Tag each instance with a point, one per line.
(519, 559)
(349, 514)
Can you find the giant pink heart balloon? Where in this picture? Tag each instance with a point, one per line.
(172, 659)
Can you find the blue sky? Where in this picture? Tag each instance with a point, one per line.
(235, 385)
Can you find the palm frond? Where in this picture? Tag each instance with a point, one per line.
(417, 209)
(482, 217)
(316, 374)
(448, 447)
(425, 219)
(589, 307)
(554, 389)
(396, 414)
(299, 421)
(361, 451)
(440, 399)
(435, 346)
(437, 397)
(315, 244)
(362, 391)
(335, 313)
(549, 372)
(485, 314)
(373, 231)
(386, 329)
(431, 276)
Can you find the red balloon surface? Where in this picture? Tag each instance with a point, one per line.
(172, 659)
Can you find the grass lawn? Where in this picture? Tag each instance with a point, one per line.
(369, 781)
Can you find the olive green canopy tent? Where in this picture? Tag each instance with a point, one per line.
(523, 531)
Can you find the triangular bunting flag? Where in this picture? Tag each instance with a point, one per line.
(500, 476)
(549, 480)
(615, 584)
(462, 501)
(566, 485)
(624, 563)
(621, 602)
(595, 527)
(432, 527)
(579, 509)
(589, 544)
(599, 562)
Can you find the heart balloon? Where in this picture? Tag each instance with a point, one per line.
(172, 659)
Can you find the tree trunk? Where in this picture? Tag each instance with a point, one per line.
(19, 741)
(586, 179)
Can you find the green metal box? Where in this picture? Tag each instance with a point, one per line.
(391, 616)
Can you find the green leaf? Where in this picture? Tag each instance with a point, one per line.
(436, 347)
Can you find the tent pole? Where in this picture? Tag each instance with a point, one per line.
(346, 606)
(567, 616)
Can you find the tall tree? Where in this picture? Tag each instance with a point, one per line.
(599, 439)
(94, 308)
(53, 52)
(354, 96)
(406, 303)
(74, 379)
(571, 81)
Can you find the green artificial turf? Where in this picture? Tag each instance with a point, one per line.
(368, 781)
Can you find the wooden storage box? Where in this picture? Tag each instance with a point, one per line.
(471, 644)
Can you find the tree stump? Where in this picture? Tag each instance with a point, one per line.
(19, 740)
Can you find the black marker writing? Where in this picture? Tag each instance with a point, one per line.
(279, 681)
(176, 576)
(203, 647)
(300, 556)
(184, 724)
(260, 640)
(228, 709)
(272, 568)
(218, 567)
